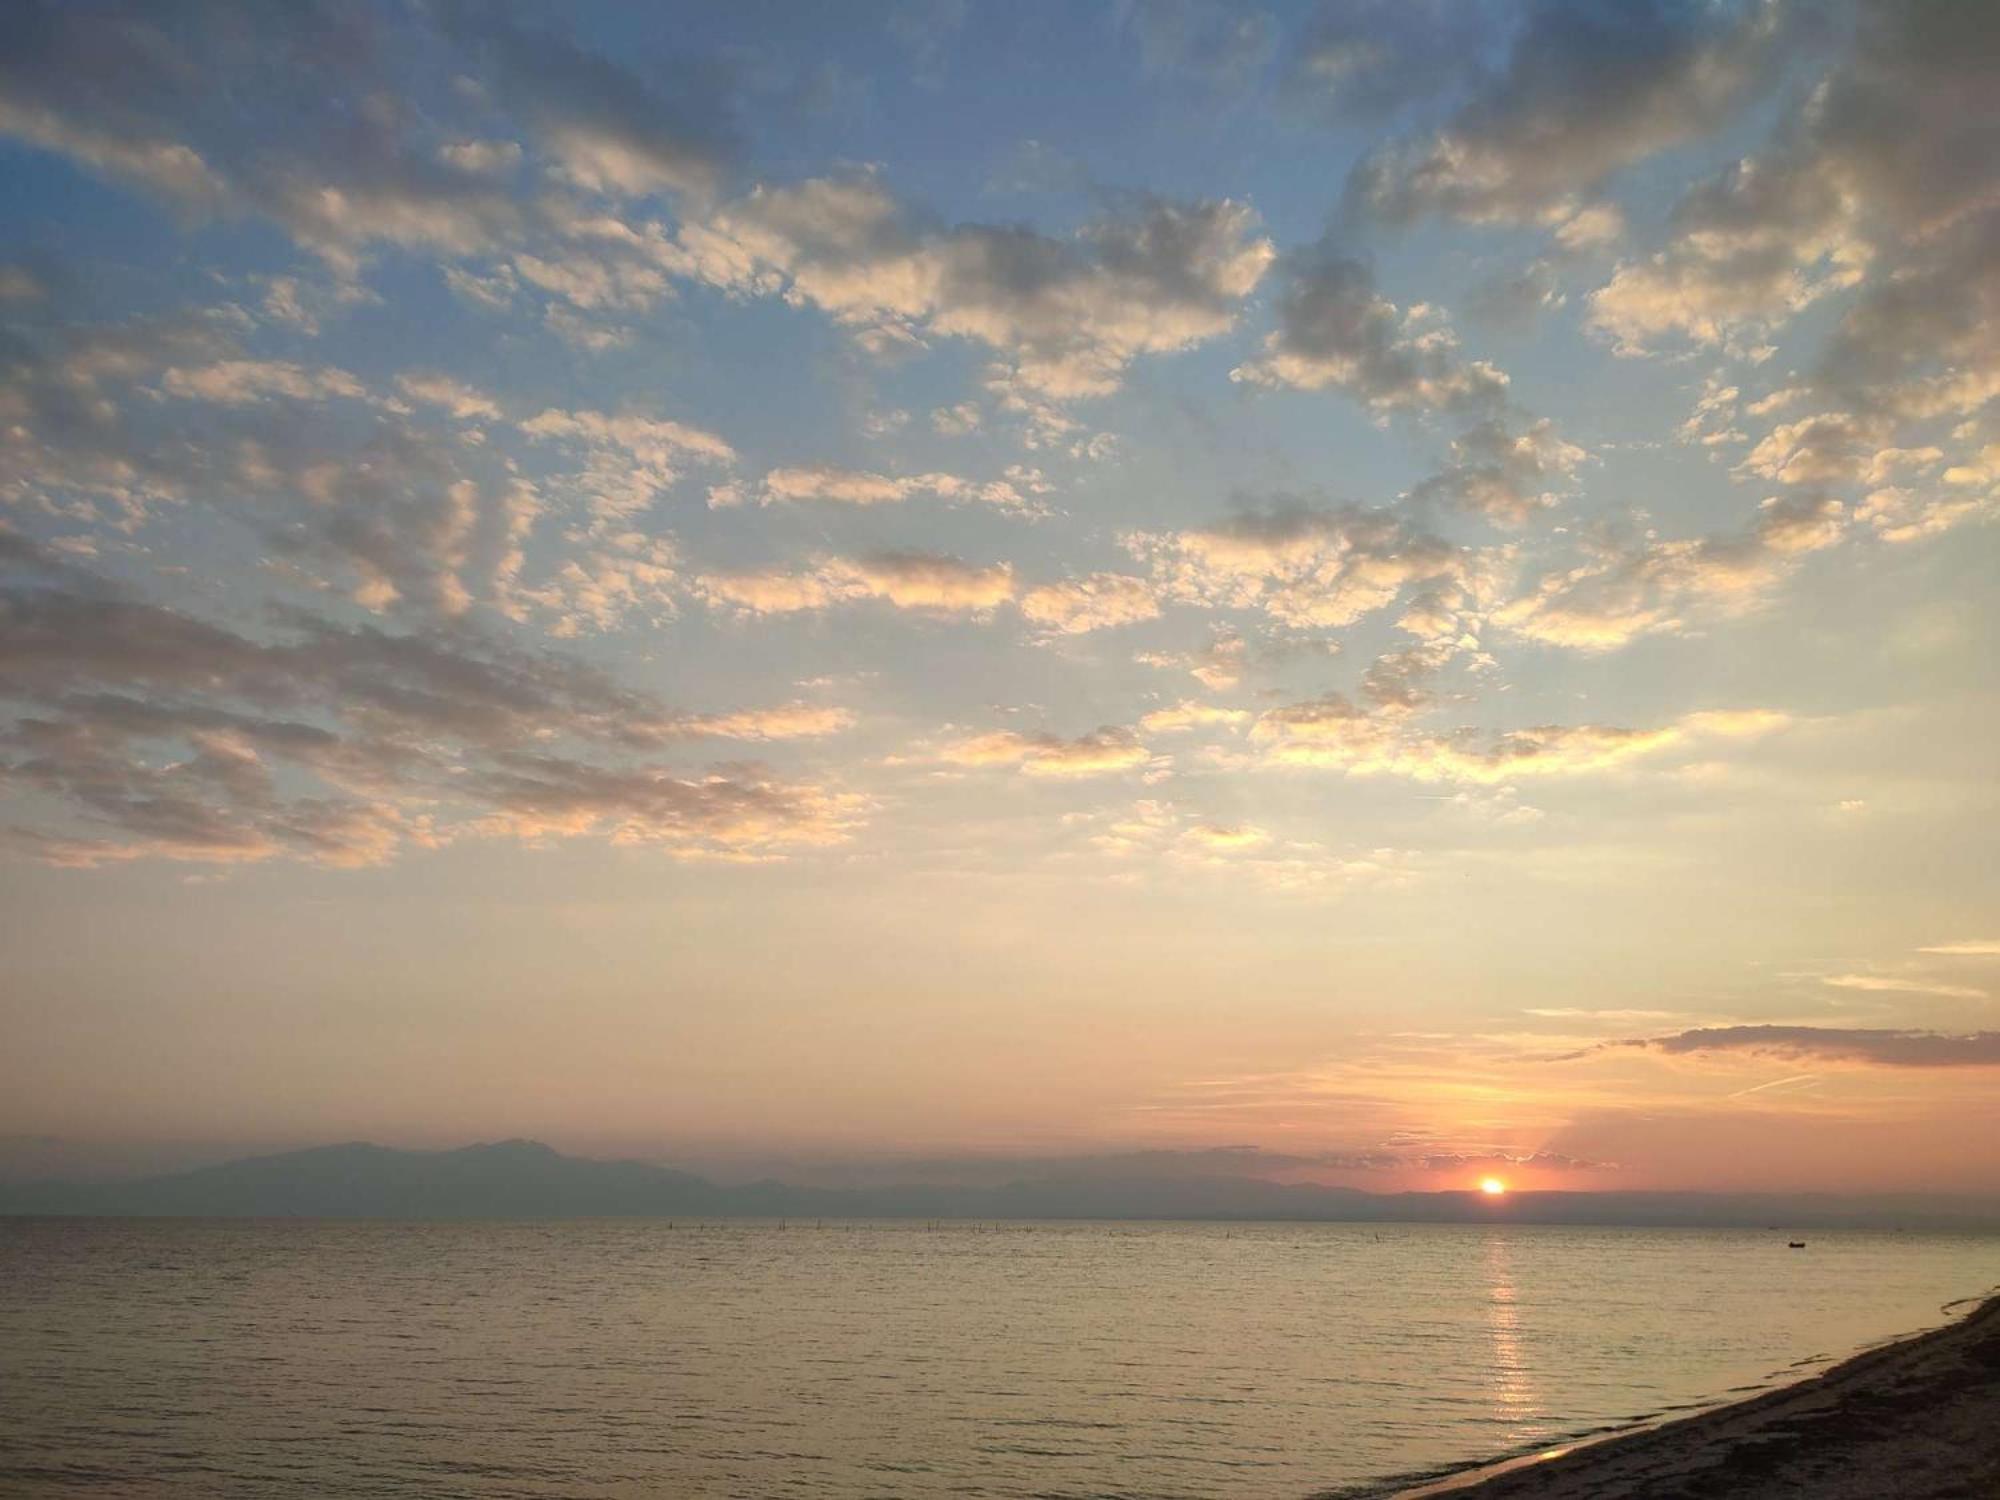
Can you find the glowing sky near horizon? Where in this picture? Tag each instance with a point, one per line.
(1408, 587)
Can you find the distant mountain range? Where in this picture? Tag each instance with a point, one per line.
(527, 1180)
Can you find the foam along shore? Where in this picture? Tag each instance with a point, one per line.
(1918, 1419)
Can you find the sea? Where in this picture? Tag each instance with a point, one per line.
(683, 1360)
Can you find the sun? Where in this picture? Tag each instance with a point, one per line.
(1492, 1187)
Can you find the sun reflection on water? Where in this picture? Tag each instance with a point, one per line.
(1510, 1380)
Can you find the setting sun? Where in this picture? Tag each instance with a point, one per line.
(1492, 1187)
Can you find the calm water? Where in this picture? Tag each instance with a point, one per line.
(629, 1358)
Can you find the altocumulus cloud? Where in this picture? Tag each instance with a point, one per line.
(1334, 733)
(1336, 332)
(1623, 589)
(432, 527)
(1112, 748)
(1063, 316)
(140, 730)
(925, 581)
(1585, 89)
(126, 90)
(1305, 566)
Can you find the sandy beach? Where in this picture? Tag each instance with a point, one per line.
(1914, 1420)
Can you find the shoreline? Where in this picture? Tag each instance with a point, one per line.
(1917, 1417)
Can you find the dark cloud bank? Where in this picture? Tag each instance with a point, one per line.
(1883, 1048)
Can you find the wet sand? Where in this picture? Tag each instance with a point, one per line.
(1915, 1420)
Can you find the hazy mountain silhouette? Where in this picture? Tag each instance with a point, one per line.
(504, 1180)
(528, 1180)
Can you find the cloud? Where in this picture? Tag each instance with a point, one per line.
(1501, 475)
(1399, 680)
(1891, 985)
(242, 382)
(591, 279)
(1574, 1013)
(1585, 90)
(926, 31)
(1331, 732)
(909, 580)
(1626, 590)
(485, 157)
(1218, 665)
(1898, 513)
(825, 482)
(1358, 61)
(778, 591)
(1225, 47)
(1100, 752)
(144, 731)
(1306, 567)
(630, 460)
(739, 814)
(1717, 282)
(1096, 601)
(956, 421)
(1592, 227)
(128, 90)
(1065, 315)
(1919, 339)
(609, 577)
(1880, 1048)
(1156, 837)
(789, 721)
(365, 497)
(19, 284)
(353, 129)
(319, 132)
(1978, 948)
(1335, 332)
(1202, 1164)
(931, 581)
(1534, 1161)
(1513, 300)
(1228, 838)
(1827, 448)
(612, 131)
(65, 435)
(578, 192)
(1885, 171)
(1186, 715)
(453, 396)
(398, 514)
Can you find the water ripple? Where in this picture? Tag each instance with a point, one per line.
(297, 1359)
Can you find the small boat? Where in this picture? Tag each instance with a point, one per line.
(1795, 1244)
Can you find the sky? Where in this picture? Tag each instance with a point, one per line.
(1405, 589)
